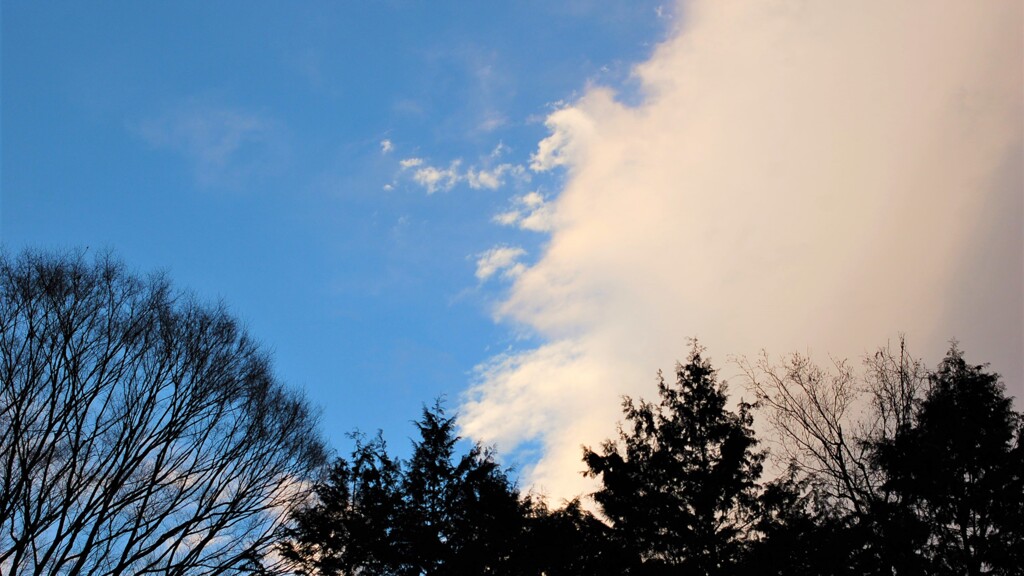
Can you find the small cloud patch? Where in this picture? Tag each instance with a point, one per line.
(502, 260)
(530, 211)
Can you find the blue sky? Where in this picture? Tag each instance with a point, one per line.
(238, 146)
(530, 207)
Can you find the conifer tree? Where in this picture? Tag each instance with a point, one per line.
(680, 485)
(959, 468)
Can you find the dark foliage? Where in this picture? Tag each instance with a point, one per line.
(959, 471)
(929, 483)
(351, 526)
(140, 431)
(680, 487)
(796, 533)
(437, 513)
(570, 541)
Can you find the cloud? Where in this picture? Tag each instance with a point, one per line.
(493, 178)
(570, 127)
(530, 212)
(504, 259)
(798, 176)
(226, 146)
(493, 121)
(433, 178)
(500, 150)
(386, 146)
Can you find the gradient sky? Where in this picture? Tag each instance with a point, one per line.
(529, 208)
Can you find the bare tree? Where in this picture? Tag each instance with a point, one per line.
(140, 431)
(825, 420)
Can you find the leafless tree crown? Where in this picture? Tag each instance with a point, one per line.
(140, 431)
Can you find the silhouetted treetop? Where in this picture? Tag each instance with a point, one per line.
(959, 469)
(140, 430)
(679, 486)
(437, 513)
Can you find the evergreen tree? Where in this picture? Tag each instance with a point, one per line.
(461, 516)
(679, 488)
(570, 541)
(797, 532)
(350, 529)
(959, 469)
(437, 513)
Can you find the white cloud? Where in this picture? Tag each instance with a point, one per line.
(531, 212)
(386, 146)
(504, 259)
(434, 179)
(798, 176)
(569, 126)
(492, 178)
(484, 178)
(500, 150)
(510, 218)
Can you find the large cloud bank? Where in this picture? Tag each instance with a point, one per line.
(799, 176)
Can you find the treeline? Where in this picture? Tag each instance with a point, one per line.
(902, 471)
(144, 432)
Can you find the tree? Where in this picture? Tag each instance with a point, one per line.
(140, 431)
(797, 532)
(569, 541)
(437, 513)
(349, 529)
(959, 467)
(825, 421)
(817, 416)
(680, 486)
(922, 472)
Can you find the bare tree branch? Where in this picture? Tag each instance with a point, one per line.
(140, 431)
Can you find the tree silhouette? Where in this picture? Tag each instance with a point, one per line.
(462, 515)
(912, 472)
(959, 469)
(140, 431)
(437, 513)
(679, 488)
(569, 541)
(350, 528)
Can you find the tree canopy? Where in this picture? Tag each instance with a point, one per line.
(679, 487)
(925, 478)
(958, 469)
(140, 430)
(436, 513)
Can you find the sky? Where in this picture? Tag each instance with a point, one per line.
(528, 207)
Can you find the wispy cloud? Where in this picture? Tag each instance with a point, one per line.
(434, 178)
(798, 175)
(386, 146)
(493, 178)
(503, 259)
(529, 212)
(226, 146)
